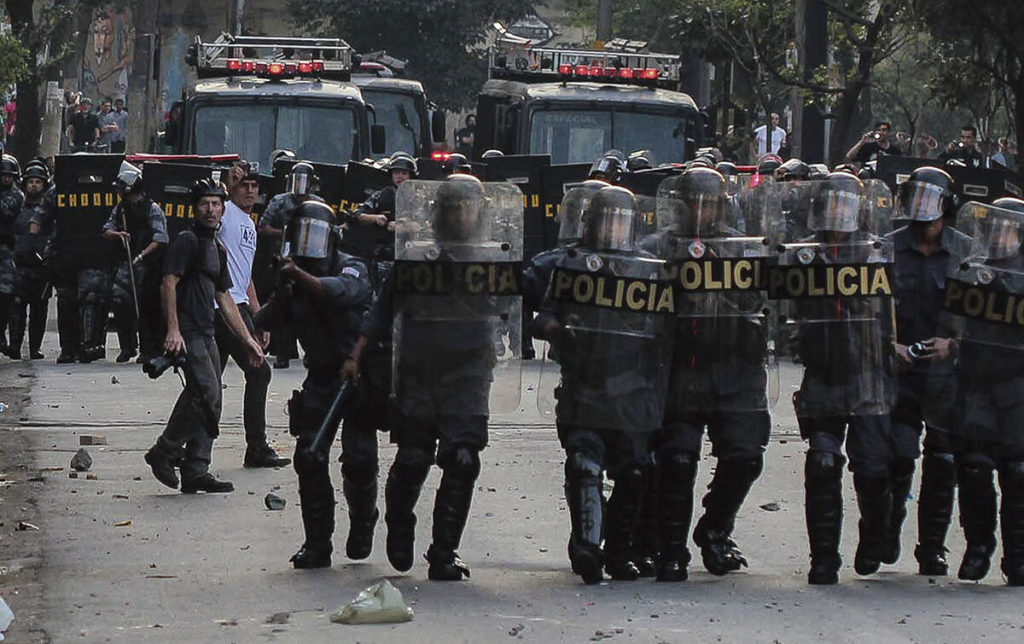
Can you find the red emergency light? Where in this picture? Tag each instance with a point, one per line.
(234, 65)
(276, 69)
(440, 155)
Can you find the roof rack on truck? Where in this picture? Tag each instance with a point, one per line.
(272, 57)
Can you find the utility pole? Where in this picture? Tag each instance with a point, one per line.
(815, 54)
(604, 20)
(142, 86)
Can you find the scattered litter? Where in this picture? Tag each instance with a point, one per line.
(228, 622)
(114, 380)
(381, 603)
(25, 525)
(274, 502)
(91, 477)
(770, 507)
(6, 617)
(92, 439)
(72, 475)
(123, 524)
(516, 630)
(120, 496)
(161, 576)
(279, 618)
(3, 406)
(52, 468)
(81, 461)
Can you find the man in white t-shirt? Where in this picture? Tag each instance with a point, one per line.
(761, 146)
(237, 234)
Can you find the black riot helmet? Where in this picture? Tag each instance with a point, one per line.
(403, 161)
(9, 166)
(609, 222)
(302, 179)
(698, 201)
(309, 236)
(926, 195)
(570, 213)
(492, 154)
(206, 188)
(769, 165)
(456, 163)
(36, 171)
(129, 178)
(458, 216)
(281, 153)
(727, 168)
(607, 168)
(793, 170)
(837, 204)
(639, 160)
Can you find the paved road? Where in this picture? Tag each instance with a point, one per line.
(215, 568)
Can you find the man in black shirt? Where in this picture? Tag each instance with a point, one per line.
(195, 276)
(965, 149)
(874, 144)
(83, 128)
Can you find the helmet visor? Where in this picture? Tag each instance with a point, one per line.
(919, 201)
(836, 211)
(611, 229)
(309, 238)
(299, 183)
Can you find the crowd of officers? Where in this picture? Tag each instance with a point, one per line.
(661, 322)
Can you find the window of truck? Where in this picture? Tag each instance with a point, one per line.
(582, 135)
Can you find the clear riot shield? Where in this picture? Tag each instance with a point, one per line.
(833, 292)
(879, 205)
(983, 315)
(723, 353)
(607, 367)
(458, 302)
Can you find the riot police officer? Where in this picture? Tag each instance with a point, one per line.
(445, 352)
(610, 399)
(32, 294)
(141, 227)
(987, 345)
(322, 295)
(378, 211)
(607, 168)
(719, 371)
(11, 201)
(923, 250)
(844, 338)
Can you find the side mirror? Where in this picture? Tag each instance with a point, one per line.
(377, 139)
(439, 126)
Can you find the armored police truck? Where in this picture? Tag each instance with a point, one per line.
(259, 94)
(574, 104)
(411, 124)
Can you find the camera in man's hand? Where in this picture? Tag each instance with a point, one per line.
(155, 367)
(916, 350)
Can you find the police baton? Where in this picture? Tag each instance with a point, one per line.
(131, 266)
(333, 417)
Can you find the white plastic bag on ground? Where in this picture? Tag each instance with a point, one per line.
(7, 616)
(381, 603)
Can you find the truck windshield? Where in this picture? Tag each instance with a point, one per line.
(401, 116)
(253, 131)
(582, 135)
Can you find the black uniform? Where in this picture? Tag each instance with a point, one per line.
(918, 285)
(327, 330)
(381, 202)
(34, 287)
(11, 202)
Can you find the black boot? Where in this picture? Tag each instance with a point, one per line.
(934, 512)
(874, 498)
(318, 523)
(902, 477)
(978, 518)
(645, 539)
(451, 509)
(675, 509)
(93, 328)
(67, 324)
(586, 512)
(400, 495)
(7, 321)
(127, 333)
(823, 508)
(1011, 520)
(16, 330)
(360, 488)
(729, 487)
(620, 523)
(162, 459)
(37, 328)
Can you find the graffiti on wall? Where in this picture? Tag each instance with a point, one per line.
(107, 59)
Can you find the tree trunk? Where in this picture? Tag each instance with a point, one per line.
(27, 127)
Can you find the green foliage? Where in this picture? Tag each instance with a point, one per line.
(443, 40)
(13, 60)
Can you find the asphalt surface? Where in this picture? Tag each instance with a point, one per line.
(120, 558)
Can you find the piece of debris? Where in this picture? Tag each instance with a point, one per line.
(72, 475)
(114, 380)
(770, 507)
(381, 603)
(92, 439)
(81, 461)
(279, 618)
(274, 502)
(228, 622)
(25, 525)
(91, 477)
(120, 496)
(6, 617)
(123, 524)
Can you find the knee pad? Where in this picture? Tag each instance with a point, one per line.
(903, 467)
(359, 472)
(823, 467)
(461, 462)
(295, 413)
(581, 467)
(678, 469)
(414, 457)
(304, 461)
